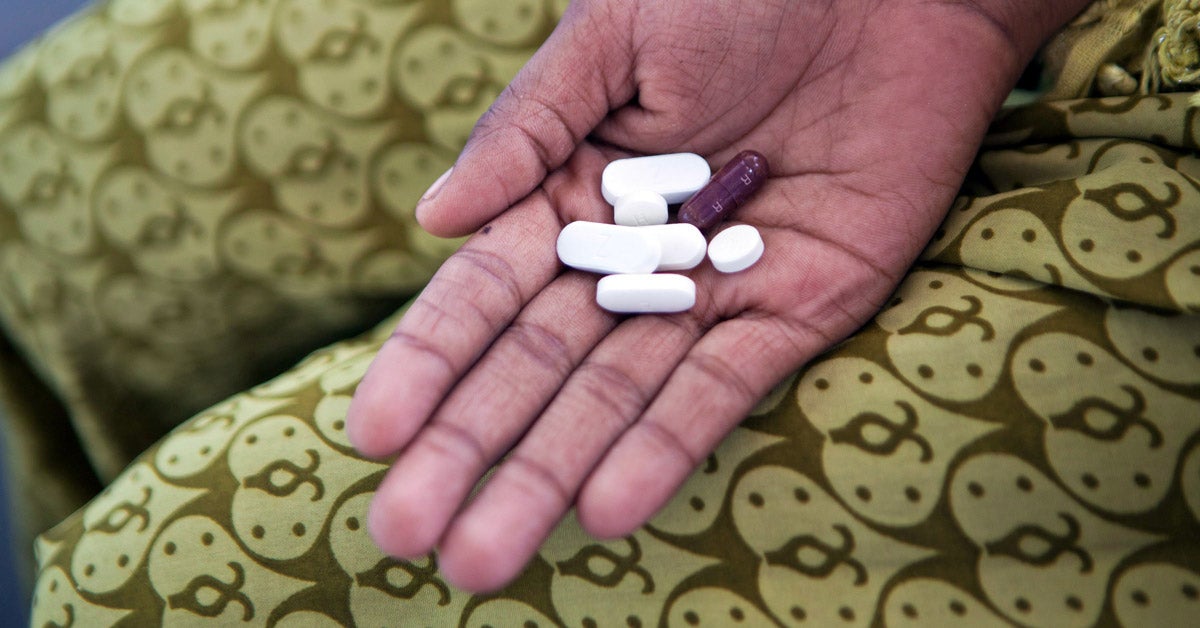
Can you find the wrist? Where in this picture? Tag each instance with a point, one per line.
(1024, 24)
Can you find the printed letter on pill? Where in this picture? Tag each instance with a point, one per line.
(735, 249)
(646, 294)
(675, 177)
(729, 189)
(608, 249)
(683, 246)
(640, 209)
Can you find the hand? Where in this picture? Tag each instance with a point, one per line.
(869, 112)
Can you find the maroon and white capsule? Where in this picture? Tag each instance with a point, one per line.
(726, 191)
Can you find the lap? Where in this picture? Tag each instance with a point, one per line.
(1013, 437)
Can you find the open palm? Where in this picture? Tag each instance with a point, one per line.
(506, 355)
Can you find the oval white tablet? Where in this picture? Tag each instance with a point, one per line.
(601, 248)
(640, 209)
(683, 245)
(646, 294)
(675, 177)
(735, 249)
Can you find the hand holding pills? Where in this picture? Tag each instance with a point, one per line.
(506, 357)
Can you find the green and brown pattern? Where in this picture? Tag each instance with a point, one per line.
(1015, 439)
(194, 194)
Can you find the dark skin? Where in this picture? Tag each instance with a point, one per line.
(870, 112)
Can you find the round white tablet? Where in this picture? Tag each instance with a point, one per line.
(640, 209)
(735, 249)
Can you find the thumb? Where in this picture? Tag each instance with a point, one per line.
(570, 84)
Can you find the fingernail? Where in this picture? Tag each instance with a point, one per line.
(437, 185)
(431, 192)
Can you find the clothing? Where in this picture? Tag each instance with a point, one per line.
(195, 194)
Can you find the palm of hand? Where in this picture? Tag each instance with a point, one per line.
(505, 354)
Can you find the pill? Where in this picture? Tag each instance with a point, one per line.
(641, 208)
(683, 246)
(735, 249)
(607, 249)
(728, 190)
(649, 294)
(675, 177)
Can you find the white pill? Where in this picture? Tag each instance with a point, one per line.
(736, 248)
(601, 248)
(640, 209)
(683, 245)
(675, 177)
(647, 294)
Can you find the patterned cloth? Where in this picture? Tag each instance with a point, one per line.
(1014, 439)
(196, 194)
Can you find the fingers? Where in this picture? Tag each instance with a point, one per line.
(570, 84)
(484, 414)
(474, 295)
(714, 387)
(493, 538)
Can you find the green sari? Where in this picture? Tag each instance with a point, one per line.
(195, 194)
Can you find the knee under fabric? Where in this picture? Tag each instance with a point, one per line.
(195, 195)
(1012, 439)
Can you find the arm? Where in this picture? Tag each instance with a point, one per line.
(870, 113)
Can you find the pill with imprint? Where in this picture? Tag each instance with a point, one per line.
(607, 249)
(646, 294)
(728, 190)
(675, 177)
(640, 209)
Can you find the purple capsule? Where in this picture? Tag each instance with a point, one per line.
(726, 191)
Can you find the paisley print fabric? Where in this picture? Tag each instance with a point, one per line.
(194, 194)
(1012, 440)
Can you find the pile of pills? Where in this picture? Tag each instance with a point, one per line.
(634, 252)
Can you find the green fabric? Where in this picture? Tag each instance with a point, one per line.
(194, 195)
(1013, 439)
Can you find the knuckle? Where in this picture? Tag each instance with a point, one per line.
(466, 267)
(718, 370)
(495, 118)
(538, 123)
(672, 443)
(422, 346)
(614, 390)
(456, 443)
(546, 128)
(544, 346)
(540, 478)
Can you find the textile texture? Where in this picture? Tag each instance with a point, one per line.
(1015, 438)
(194, 195)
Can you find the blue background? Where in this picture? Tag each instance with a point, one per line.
(20, 21)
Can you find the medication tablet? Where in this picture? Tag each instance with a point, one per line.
(607, 249)
(728, 190)
(683, 246)
(640, 209)
(646, 294)
(736, 248)
(675, 177)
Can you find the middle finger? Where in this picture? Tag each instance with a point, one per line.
(493, 538)
(485, 413)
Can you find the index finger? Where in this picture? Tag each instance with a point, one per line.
(471, 299)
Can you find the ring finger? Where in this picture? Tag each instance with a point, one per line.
(493, 538)
(485, 414)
